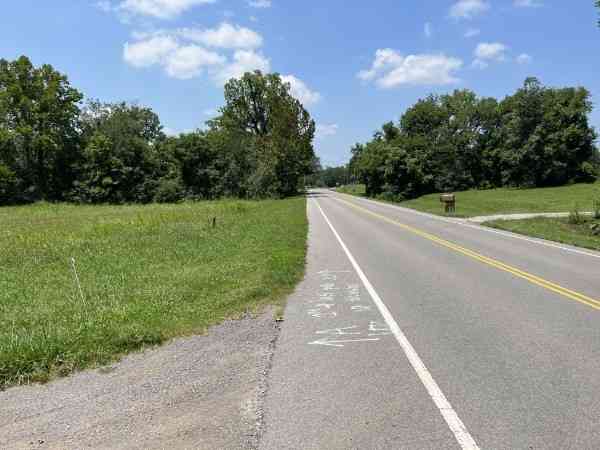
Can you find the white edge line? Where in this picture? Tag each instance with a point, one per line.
(462, 435)
(479, 227)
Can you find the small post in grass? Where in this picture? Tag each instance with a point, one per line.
(77, 279)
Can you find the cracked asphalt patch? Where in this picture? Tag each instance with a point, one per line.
(195, 392)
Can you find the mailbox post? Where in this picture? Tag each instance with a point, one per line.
(449, 201)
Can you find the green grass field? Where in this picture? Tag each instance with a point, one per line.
(559, 230)
(148, 274)
(505, 201)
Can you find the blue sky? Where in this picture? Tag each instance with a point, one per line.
(355, 64)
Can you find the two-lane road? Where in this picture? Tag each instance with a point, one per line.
(413, 331)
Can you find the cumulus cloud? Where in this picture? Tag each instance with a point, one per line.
(149, 52)
(160, 9)
(468, 9)
(390, 69)
(524, 58)
(493, 50)
(326, 130)
(189, 61)
(487, 52)
(528, 3)
(259, 3)
(301, 91)
(225, 35)
(243, 61)
(183, 53)
(179, 61)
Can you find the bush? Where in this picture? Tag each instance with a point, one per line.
(588, 173)
(575, 216)
(8, 185)
(169, 190)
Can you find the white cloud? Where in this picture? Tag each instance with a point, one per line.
(259, 3)
(179, 61)
(391, 69)
(301, 91)
(183, 53)
(528, 3)
(149, 52)
(428, 30)
(188, 61)
(472, 32)
(468, 9)
(225, 35)
(325, 130)
(491, 50)
(487, 52)
(243, 61)
(524, 58)
(160, 9)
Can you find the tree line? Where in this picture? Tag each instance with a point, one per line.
(54, 147)
(538, 136)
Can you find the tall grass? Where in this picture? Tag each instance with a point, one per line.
(147, 274)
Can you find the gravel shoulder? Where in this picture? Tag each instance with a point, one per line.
(196, 392)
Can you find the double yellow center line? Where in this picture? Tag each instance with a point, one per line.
(484, 259)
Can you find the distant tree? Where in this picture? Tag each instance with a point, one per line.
(260, 110)
(330, 177)
(39, 134)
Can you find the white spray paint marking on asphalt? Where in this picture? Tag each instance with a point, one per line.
(340, 343)
(483, 228)
(462, 435)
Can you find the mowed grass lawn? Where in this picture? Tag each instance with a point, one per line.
(506, 201)
(148, 274)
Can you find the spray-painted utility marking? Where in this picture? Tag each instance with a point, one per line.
(572, 295)
(464, 223)
(338, 300)
(462, 435)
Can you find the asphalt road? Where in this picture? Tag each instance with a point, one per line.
(413, 331)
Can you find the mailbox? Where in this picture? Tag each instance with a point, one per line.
(449, 201)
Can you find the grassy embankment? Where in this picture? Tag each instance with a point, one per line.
(559, 230)
(505, 201)
(148, 274)
(509, 201)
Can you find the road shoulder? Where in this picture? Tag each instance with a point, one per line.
(196, 392)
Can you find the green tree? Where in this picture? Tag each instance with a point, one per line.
(276, 129)
(546, 137)
(121, 158)
(537, 137)
(39, 135)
